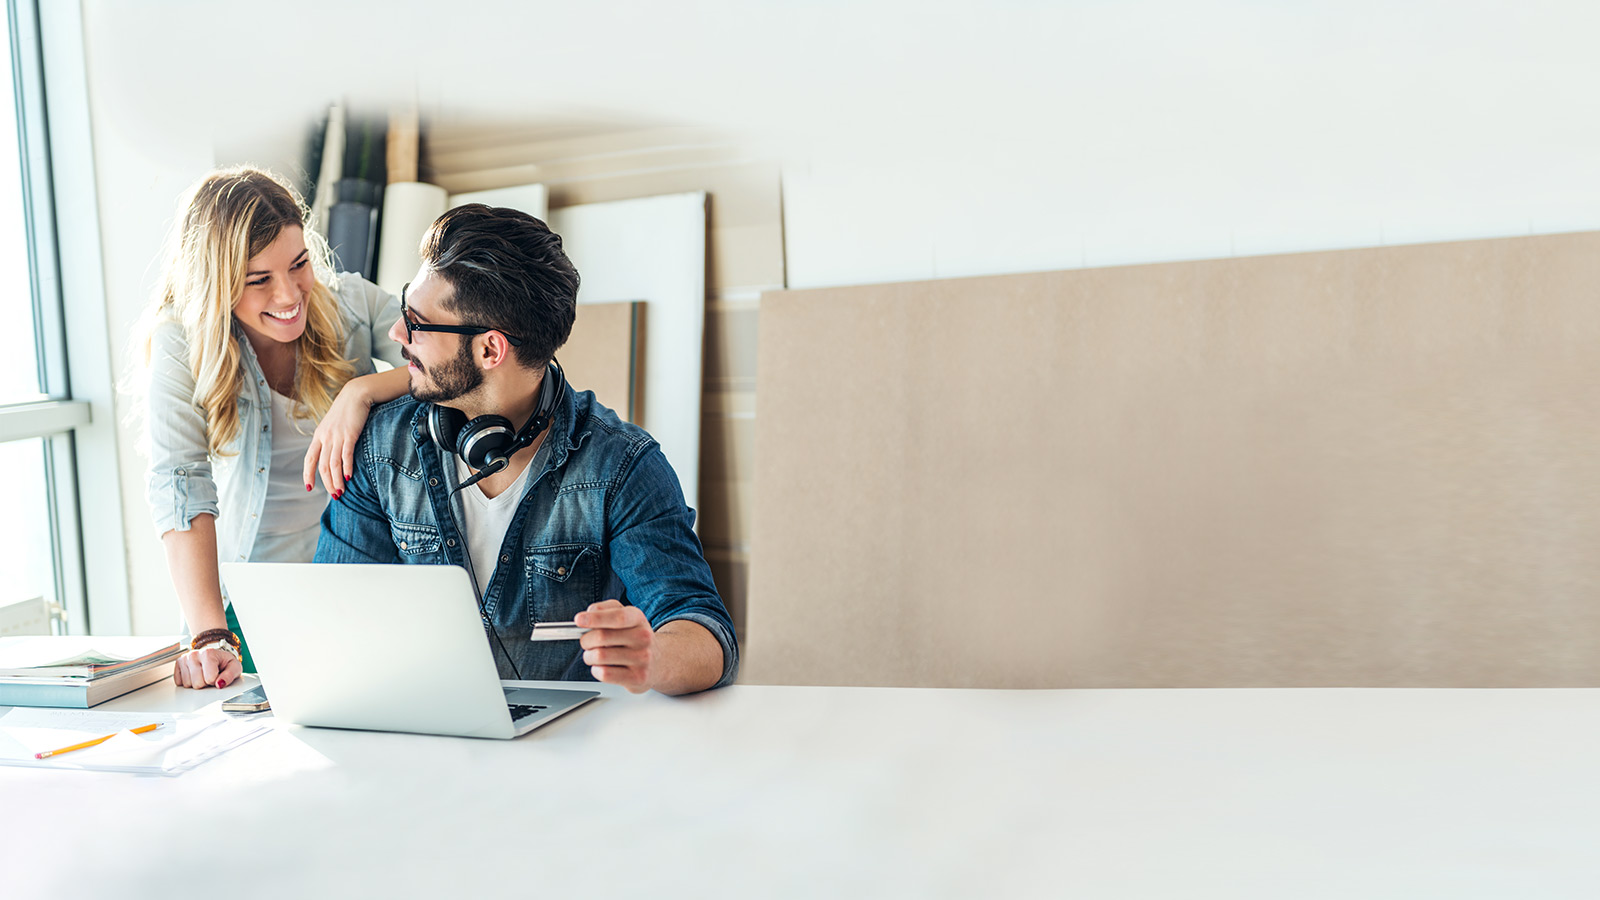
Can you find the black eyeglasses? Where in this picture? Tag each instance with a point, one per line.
(412, 327)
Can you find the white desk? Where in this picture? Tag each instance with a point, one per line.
(856, 792)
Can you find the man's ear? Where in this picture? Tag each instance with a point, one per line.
(496, 350)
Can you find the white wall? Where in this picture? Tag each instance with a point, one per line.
(920, 139)
(1099, 134)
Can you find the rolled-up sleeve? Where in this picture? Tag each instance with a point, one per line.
(655, 553)
(179, 483)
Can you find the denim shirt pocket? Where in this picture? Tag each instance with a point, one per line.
(414, 541)
(562, 580)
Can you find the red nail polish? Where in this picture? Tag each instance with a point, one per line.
(308, 487)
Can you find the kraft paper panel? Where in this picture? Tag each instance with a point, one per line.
(1357, 468)
(605, 354)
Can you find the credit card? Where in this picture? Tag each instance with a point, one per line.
(556, 631)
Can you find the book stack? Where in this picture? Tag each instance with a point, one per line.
(79, 672)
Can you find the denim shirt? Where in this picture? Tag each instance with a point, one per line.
(602, 517)
(183, 481)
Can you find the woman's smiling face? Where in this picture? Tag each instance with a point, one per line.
(277, 283)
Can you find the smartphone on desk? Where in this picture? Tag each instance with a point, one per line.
(253, 700)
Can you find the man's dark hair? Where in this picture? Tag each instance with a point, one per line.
(508, 271)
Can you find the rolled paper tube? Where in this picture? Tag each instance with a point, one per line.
(409, 207)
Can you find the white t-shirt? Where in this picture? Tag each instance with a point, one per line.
(290, 507)
(485, 520)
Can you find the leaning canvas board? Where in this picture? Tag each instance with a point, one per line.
(652, 249)
(532, 199)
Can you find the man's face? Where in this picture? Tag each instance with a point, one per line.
(442, 366)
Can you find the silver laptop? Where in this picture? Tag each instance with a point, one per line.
(381, 648)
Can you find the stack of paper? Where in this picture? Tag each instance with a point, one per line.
(176, 745)
(79, 672)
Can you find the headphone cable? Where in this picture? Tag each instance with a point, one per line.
(496, 632)
(500, 462)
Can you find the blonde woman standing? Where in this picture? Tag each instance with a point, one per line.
(253, 341)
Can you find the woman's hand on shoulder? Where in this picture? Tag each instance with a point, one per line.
(332, 453)
(207, 668)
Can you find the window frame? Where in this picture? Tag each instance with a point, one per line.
(78, 421)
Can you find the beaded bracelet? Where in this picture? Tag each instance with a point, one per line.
(222, 635)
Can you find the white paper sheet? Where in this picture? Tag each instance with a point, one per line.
(181, 743)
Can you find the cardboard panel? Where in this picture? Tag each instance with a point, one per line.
(605, 354)
(1358, 468)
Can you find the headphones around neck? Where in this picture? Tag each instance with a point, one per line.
(487, 443)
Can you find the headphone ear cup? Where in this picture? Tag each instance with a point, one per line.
(444, 424)
(483, 439)
(549, 392)
(549, 396)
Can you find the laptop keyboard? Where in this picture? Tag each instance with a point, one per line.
(522, 711)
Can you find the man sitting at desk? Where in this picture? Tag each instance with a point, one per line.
(557, 508)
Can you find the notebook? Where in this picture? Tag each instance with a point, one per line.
(76, 692)
(382, 648)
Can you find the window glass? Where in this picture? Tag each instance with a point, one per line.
(19, 360)
(27, 561)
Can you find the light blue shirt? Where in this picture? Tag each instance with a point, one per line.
(183, 480)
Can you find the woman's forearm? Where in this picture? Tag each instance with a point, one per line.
(381, 387)
(192, 561)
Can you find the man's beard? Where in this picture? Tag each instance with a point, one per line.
(451, 379)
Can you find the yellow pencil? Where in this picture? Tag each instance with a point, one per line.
(99, 740)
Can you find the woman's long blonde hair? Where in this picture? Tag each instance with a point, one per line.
(232, 215)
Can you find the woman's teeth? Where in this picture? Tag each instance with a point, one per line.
(286, 314)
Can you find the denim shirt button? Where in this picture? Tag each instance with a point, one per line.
(561, 570)
(403, 545)
(433, 481)
(450, 543)
(505, 558)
